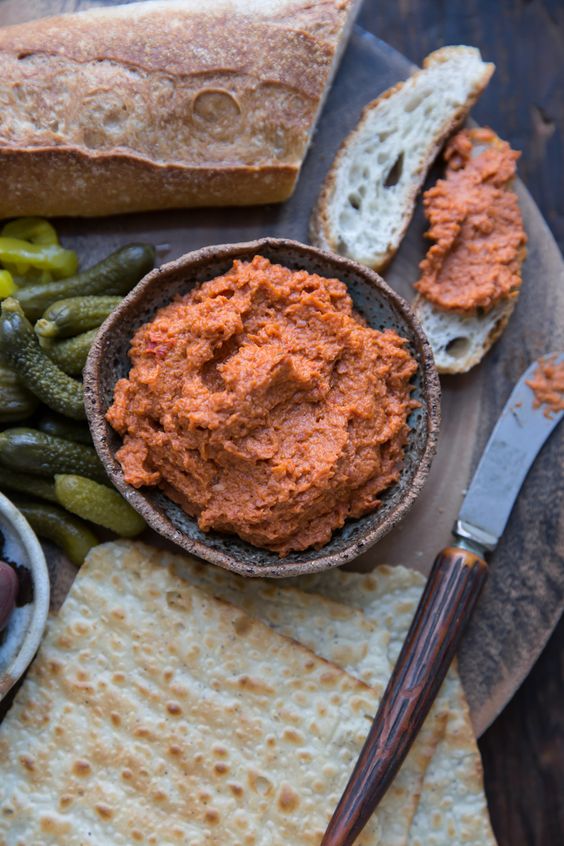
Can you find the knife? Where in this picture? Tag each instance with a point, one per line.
(450, 595)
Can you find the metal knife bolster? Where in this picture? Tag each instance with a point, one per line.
(473, 538)
(517, 438)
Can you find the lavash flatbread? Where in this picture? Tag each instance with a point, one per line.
(452, 807)
(157, 714)
(359, 622)
(438, 796)
(340, 634)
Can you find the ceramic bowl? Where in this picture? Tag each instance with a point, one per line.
(380, 306)
(21, 638)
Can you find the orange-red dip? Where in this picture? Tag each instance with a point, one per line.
(547, 385)
(476, 225)
(263, 405)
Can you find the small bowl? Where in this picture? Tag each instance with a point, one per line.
(381, 307)
(21, 638)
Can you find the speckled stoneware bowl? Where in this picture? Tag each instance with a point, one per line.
(21, 638)
(381, 307)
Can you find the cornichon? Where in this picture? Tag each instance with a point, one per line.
(101, 505)
(71, 353)
(20, 349)
(32, 451)
(52, 257)
(62, 427)
(74, 315)
(16, 402)
(66, 531)
(116, 275)
(26, 483)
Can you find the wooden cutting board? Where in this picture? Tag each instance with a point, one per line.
(524, 596)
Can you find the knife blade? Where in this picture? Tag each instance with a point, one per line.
(450, 595)
(515, 442)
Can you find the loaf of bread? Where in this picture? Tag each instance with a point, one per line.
(163, 104)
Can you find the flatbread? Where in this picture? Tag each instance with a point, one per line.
(158, 714)
(359, 622)
(437, 798)
(452, 807)
(336, 632)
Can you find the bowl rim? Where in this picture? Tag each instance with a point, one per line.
(159, 521)
(41, 594)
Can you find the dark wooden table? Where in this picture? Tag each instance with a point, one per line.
(523, 751)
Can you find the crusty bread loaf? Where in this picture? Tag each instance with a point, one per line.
(460, 341)
(369, 194)
(163, 104)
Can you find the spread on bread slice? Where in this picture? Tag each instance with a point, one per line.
(368, 197)
(471, 275)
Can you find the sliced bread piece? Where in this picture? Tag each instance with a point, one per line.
(368, 196)
(461, 339)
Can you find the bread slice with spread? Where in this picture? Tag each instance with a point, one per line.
(471, 275)
(368, 197)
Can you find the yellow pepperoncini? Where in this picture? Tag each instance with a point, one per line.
(51, 257)
(7, 284)
(33, 229)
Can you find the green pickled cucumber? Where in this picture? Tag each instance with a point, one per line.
(31, 451)
(66, 531)
(99, 504)
(71, 353)
(116, 274)
(62, 427)
(20, 349)
(66, 318)
(26, 483)
(16, 402)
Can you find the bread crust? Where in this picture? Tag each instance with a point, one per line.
(320, 232)
(52, 182)
(164, 104)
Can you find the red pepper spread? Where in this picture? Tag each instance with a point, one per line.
(264, 406)
(476, 225)
(547, 385)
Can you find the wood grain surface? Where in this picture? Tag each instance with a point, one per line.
(523, 751)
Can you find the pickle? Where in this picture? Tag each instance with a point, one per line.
(99, 504)
(61, 427)
(16, 402)
(74, 315)
(51, 257)
(20, 349)
(66, 531)
(31, 451)
(34, 229)
(116, 275)
(71, 353)
(26, 483)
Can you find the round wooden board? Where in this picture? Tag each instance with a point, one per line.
(524, 596)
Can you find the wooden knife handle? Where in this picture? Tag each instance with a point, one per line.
(454, 584)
